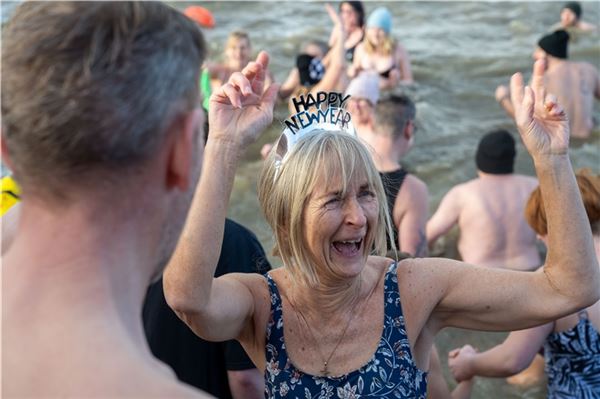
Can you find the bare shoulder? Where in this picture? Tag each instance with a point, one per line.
(413, 191)
(256, 284)
(254, 281)
(586, 66)
(414, 185)
(529, 181)
(456, 192)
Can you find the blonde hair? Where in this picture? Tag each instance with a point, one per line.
(237, 36)
(589, 187)
(284, 194)
(389, 46)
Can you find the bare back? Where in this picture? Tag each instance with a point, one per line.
(54, 351)
(490, 215)
(575, 84)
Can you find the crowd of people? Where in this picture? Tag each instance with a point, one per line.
(118, 256)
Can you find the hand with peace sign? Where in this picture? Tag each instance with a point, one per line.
(541, 121)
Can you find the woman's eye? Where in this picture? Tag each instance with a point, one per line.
(367, 194)
(333, 202)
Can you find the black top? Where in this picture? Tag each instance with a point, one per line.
(195, 361)
(392, 181)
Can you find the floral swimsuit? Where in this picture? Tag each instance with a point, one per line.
(573, 361)
(391, 372)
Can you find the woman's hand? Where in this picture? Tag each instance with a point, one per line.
(335, 18)
(459, 362)
(240, 110)
(541, 121)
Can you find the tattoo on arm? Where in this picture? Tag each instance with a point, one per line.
(421, 250)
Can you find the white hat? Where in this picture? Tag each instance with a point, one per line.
(365, 85)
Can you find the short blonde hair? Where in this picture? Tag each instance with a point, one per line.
(589, 187)
(236, 36)
(284, 194)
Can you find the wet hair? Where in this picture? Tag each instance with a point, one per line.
(93, 87)
(589, 187)
(236, 36)
(284, 194)
(393, 113)
(358, 8)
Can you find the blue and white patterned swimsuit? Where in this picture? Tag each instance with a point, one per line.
(573, 362)
(390, 374)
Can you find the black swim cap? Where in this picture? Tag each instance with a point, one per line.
(575, 7)
(555, 44)
(496, 153)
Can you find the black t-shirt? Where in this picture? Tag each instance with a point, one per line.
(195, 361)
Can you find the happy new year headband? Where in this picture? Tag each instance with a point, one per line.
(324, 111)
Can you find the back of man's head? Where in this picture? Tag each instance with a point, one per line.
(496, 153)
(555, 44)
(93, 86)
(392, 115)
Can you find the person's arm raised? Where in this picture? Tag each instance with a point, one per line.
(336, 63)
(492, 299)
(218, 309)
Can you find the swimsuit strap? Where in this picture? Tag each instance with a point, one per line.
(393, 307)
(583, 314)
(275, 348)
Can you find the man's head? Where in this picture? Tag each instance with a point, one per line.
(395, 116)
(570, 14)
(94, 87)
(496, 153)
(364, 92)
(554, 44)
(238, 49)
(97, 94)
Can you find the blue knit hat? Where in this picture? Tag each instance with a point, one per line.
(380, 18)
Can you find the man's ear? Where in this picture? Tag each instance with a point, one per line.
(409, 130)
(4, 151)
(180, 155)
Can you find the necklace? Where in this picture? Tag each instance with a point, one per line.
(325, 371)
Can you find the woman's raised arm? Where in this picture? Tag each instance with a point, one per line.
(492, 299)
(218, 309)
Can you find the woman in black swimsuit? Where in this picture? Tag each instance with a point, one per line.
(352, 14)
